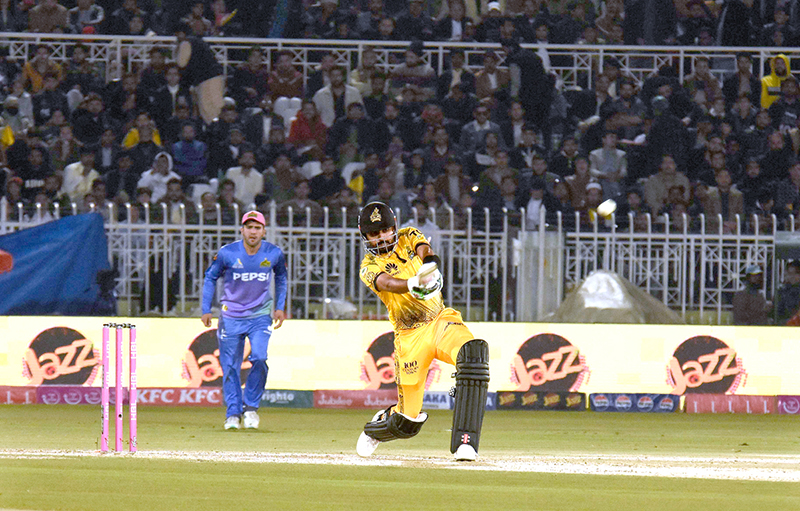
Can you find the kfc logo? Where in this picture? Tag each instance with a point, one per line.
(548, 362)
(705, 365)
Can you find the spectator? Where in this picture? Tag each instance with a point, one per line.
(34, 173)
(724, 200)
(35, 69)
(164, 101)
(325, 185)
(190, 157)
(48, 100)
(250, 80)
(415, 24)
(491, 79)
(321, 20)
(48, 17)
(453, 26)
(522, 155)
(266, 153)
(437, 153)
(179, 209)
(771, 84)
(702, 79)
(779, 33)
(658, 185)
(122, 180)
(361, 77)
(248, 180)
(107, 152)
(11, 18)
(375, 102)
(452, 183)
(230, 206)
(367, 22)
(79, 176)
(173, 126)
(610, 166)
(86, 17)
(303, 210)
(12, 201)
(474, 133)
(785, 111)
(90, 120)
(650, 22)
(200, 25)
(258, 121)
(749, 305)
(119, 21)
(333, 100)
(787, 297)
(280, 178)
(537, 197)
(414, 71)
(285, 80)
(742, 82)
(81, 76)
(65, 149)
(156, 178)
(143, 140)
(355, 129)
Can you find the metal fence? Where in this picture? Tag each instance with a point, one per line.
(575, 65)
(494, 271)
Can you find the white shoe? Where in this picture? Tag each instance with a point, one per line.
(251, 420)
(465, 452)
(232, 422)
(366, 445)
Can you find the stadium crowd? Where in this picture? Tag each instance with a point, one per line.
(504, 134)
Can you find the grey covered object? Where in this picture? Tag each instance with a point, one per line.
(605, 297)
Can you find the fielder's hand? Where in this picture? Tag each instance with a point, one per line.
(426, 283)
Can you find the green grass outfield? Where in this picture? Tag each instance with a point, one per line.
(187, 462)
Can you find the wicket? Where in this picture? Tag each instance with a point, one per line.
(119, 329)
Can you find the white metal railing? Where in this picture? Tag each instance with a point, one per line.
(574, 64)
(692, 270)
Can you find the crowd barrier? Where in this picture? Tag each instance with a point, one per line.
(341, 357)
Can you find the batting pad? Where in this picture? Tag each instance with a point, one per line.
(472, 385)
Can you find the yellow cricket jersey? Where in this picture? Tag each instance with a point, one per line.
(405, 311)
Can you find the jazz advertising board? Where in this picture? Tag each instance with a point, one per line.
(359, 355)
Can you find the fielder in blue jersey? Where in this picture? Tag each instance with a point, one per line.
(247, 268)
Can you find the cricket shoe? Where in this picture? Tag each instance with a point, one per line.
(232, 422)
(466, 452)
(251, 420)
(366, 445)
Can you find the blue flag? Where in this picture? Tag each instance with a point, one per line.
(55, 267)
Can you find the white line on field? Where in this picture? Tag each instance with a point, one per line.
(778, 468)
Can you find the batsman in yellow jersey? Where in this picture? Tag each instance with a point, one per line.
(401, 268)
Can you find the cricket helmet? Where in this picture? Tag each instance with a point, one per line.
(375, 217)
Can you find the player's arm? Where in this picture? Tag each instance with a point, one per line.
(281, 287)
(385, 282)
(210, 286)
